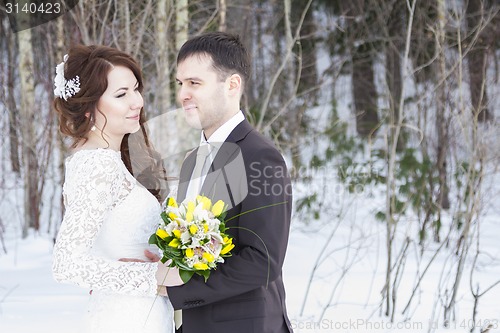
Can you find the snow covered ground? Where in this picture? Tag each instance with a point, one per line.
(349, 278)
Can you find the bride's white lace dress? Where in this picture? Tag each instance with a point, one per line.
(110, 216)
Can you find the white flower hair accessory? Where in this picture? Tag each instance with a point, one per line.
(65, 88)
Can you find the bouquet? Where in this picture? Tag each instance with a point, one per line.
(193, 235)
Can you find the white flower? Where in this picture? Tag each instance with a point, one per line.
(65, 89)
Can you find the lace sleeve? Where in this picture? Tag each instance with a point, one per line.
(94, 185)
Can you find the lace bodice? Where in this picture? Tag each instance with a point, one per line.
(108, 216)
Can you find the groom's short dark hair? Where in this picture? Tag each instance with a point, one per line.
(228, 53)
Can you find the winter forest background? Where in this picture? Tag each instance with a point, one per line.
(386, 111)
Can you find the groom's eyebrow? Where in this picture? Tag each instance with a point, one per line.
(190, 79)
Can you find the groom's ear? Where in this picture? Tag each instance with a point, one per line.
(235, 84)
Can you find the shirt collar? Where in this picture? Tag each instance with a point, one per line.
(221, 134)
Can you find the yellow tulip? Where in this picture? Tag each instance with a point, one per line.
(205, 227)
(218, 208)
(177, 233)
(200, 266)
(193, 229)
(162, 233)
(172, 216)
(227, 248)
(208, 257)
(189, 252)
(206, 202)
(189, 216)
(174, 243)
(191, 206)
(171, 202)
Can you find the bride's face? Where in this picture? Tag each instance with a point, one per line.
(119, 108)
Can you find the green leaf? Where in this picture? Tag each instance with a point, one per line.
(399, 207)
(316, 162)
(185, 275)
(179, 263)
(164, 217)
(422, 234)
(205, 274)
(380, 216)
(222, 216)
(153, 239)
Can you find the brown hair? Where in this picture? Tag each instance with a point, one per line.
(76, 114)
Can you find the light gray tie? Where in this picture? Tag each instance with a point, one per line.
(199, 173)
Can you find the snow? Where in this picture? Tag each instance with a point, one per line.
(30, 299)
(349, 277)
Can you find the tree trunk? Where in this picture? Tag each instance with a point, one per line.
(181, 23)
(11, 104)
(363, 91)
(60, 51)
(124, 22)
(308, 57)
(305, 65)
(477, 61)
(190, 138)
(30, 163)
(441, 119)
(163, 93)
(245, 11)
(393, 65)
(222, 15)
(363, 78)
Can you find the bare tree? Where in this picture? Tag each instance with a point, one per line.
(30, 160)
(394, 45)
(163, 48)
(391, 192)
(12, 110)
(441, 113)
(476, 16)
(364, 91)
(222, 15)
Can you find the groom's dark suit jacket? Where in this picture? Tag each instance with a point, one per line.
(246, 293)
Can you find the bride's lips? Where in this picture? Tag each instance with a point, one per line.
(136, 117)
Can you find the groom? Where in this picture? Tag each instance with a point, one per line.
(246, 171)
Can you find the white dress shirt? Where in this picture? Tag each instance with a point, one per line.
(215, 141)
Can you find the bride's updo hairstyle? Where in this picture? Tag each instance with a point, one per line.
(89, 67)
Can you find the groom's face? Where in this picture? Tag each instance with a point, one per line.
(202, 94)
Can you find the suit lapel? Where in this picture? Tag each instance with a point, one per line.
(185, 175)
(227, 152)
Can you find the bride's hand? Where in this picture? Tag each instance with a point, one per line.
(168, 276)
(153, 257)
(150, 255)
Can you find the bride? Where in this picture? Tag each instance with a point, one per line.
(109, 215)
